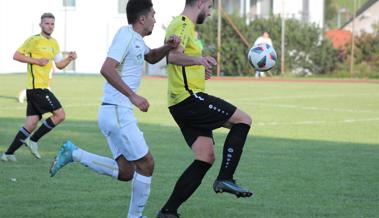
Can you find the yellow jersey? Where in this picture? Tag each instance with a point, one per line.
(38, 46)
(183, 81)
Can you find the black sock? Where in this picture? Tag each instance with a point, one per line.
(186, 185)
(46, 127)
(18, 140)
(232, 150)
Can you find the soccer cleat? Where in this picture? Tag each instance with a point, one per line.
(8, 157)
(63, 157)
(33, 147)
(231, 187)
(167, 215)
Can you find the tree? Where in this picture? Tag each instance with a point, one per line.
(306, 49)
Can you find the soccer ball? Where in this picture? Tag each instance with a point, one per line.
(262, 57)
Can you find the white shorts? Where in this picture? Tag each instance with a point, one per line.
(119, 127)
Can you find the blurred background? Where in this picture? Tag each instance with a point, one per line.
(337, 38)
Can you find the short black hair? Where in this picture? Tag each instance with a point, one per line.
(190, 2)
(137, 8)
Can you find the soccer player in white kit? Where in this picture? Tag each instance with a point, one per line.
(123, 69)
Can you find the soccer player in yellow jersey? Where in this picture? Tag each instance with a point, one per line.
(198, 113)
(39, 52)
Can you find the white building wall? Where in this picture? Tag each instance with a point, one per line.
(90, 27)
(365, 20)
(294, 9)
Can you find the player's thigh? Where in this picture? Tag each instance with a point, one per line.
(238, 117)
(108, 125)
(203, 149)
(41, 101)
(123, 135)
(133, 143)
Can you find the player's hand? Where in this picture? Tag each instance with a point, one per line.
(208, 62)
(72, 55)
(42, 61)
(208, 74)
(140, 102)
(173, 41)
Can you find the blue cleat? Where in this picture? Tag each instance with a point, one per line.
(64, 157)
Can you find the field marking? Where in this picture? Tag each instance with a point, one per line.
(274, 123)
(315, 122)
(23, 106)
(313, 108)
(368, 95)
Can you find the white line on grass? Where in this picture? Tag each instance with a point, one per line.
(368, 95)
(313, 108)
(23, 107)
(315, 122)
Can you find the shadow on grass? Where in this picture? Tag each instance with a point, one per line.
(290, 178)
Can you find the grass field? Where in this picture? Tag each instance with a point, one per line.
(313, 152)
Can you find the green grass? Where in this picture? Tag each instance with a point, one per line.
(313, 152)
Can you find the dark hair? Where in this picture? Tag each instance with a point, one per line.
(47, 15)
(192, 2)
(137, 8)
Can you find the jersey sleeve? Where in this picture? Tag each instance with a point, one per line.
(26, 47)
(147, 49)
(57, 53)
(120, 45)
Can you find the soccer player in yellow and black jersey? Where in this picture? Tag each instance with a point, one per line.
(198, 114)
(39, 52)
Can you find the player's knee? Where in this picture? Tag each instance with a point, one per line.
(147, 167)
(245, 118)
(211, 158)
(125, 174)
(30, 127)
(248, 120)
(61, 117)
(208, 157)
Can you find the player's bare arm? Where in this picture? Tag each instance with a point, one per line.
(157, 54)
(66, 61)
(108, 70)
(177, 57)
(18, 56)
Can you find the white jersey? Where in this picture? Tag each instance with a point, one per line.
(129, 49)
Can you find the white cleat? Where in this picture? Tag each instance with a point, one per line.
(33, 147)
(8, 157)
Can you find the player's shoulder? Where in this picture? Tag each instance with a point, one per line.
(125, 30)
(181, 23)
(33, 38)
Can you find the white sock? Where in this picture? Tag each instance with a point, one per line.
(140, 194)
(97, 163)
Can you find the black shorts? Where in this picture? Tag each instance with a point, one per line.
(41, 101)
(199, 114)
